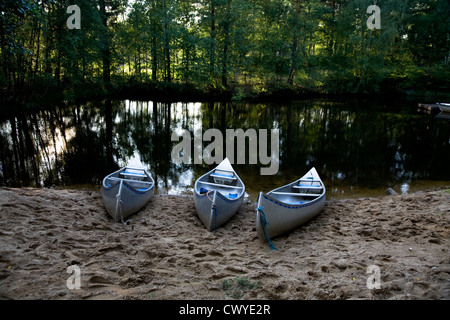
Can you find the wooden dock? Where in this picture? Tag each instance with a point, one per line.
(428, 107)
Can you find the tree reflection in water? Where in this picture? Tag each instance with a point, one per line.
(351, 145)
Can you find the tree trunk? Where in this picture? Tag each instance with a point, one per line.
(154, 59)
(187, 59)
(293, 60)
(213, 38)
(38, 45)
(226, 44)
(294, 44)
(106, 51)
(168, 77)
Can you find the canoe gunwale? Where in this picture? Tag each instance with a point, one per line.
(115, 177)
(125, 183)
(205, 179)
(219, 194)
(293, 206)
(112, 186)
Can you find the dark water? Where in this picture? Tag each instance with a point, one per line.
(358, 148)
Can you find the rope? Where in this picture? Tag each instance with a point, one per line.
(266, 223)
(207, 194)
(213, 206)
(215, 218)
(119, 205)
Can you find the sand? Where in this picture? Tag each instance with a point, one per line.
(166, 253)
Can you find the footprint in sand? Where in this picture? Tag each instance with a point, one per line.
(98, 281)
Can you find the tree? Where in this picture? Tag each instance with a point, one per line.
(261, 45)
(428, 34)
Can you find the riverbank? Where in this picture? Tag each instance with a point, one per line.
(166, 253)
(51, 93)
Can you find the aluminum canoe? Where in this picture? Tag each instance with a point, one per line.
(218, 195)
(126, 191)
(285, 208)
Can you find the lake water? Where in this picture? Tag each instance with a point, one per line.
(359, 148)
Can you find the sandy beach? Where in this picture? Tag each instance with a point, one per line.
(166, 253)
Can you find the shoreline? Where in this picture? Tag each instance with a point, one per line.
(359, 194)
(31, 99)
(166, 253)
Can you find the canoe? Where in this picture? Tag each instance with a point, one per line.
(289, 206)
(218, 195)
(445, 107)
(126, 191)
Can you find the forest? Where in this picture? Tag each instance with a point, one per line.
(222, 49)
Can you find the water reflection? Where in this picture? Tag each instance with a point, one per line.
(353, 147)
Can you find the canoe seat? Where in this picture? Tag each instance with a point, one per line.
(130, 180)
(230, 195)
(309, 180)
(219, 185)
(226, 176)
(223, 177)
(138, 173)
(307, 186)
(296, 194)
(133, 174)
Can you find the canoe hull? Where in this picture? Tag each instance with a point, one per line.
(212, 216)
(282, 217)
(217, 202)
(286, 208)
(122, 197)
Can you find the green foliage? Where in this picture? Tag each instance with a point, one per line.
(247, 47)
(238, 287)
